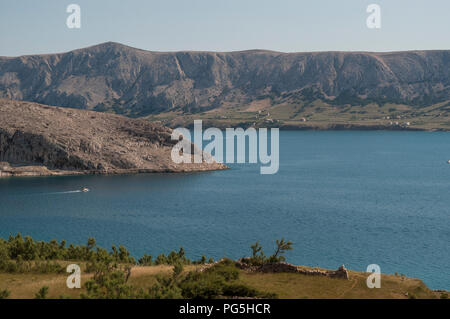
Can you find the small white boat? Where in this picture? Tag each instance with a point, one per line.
(85, 189)
(448, 162)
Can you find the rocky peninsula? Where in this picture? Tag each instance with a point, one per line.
(40, 140)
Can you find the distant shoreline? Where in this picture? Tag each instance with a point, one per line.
(329, 127)
(357, 127)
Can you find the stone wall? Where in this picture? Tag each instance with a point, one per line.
(282, 267)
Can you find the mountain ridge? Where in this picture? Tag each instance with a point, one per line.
(118, 44)
(117, 78)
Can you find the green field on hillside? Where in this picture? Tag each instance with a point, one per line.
(316, 115)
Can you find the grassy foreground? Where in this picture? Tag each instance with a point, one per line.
(36, 269)
(283, 285)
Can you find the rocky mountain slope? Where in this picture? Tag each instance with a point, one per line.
(46, 140)
(114, 77)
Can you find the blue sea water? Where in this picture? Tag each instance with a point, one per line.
(353, 198)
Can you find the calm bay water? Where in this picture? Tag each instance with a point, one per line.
(353, 198)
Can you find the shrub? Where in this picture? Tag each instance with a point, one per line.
(109, 280)
(258, 257)
(146, 260)
(203, 260)
(4, 293)
(239, 290)
(26, 249)
(226, 270)
(217, 281)
(42, 293)
(202, 286)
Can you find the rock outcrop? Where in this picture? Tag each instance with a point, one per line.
(117, 78)
(46, 140)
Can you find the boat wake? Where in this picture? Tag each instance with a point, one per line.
(67, 192)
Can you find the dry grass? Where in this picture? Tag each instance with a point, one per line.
(298, 286)
(285, 285)
(27, 285)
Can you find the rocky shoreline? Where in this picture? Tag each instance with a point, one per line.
(6, 170)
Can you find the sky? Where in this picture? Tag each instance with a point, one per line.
(36, 27)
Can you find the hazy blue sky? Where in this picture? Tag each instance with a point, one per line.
(30, 26)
